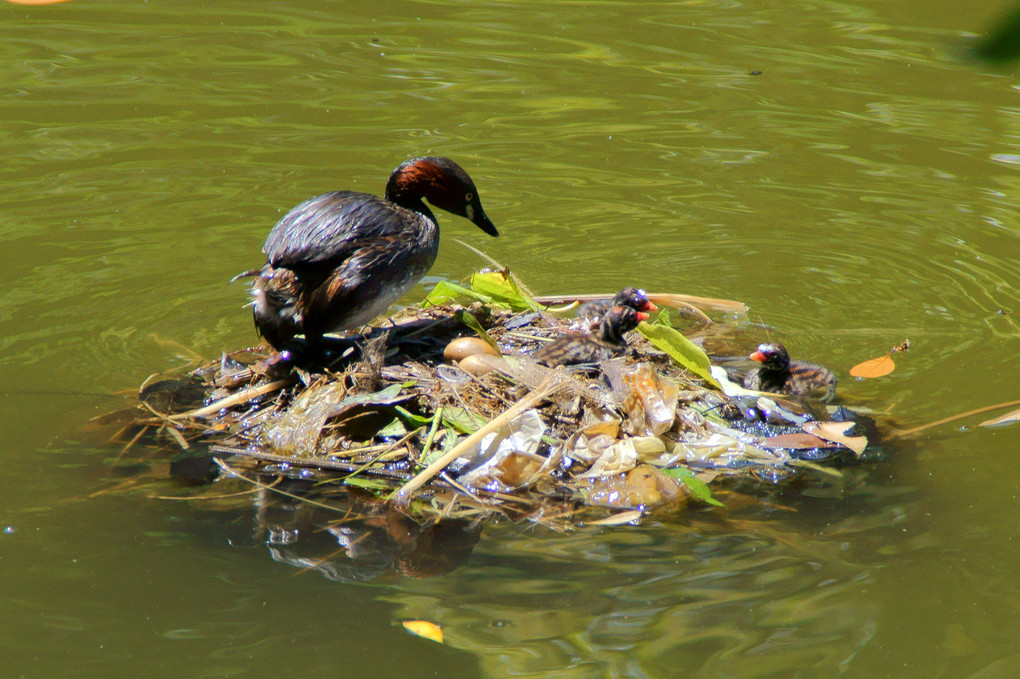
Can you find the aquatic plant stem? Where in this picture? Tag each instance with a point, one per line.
(952, 418)
(431, 436)
(661, 298)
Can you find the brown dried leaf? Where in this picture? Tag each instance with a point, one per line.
(875, 367)
(617, 519)
(610, 429)
(836, 432)
(796, 442)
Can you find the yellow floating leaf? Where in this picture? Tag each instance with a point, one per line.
(876, 367)
(1008, 418)
(618, 519)
(425, 629)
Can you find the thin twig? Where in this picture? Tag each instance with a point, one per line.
(302, 462)
(225, 496)
(238, 475)
(375, 459)
(147, 381)
(462, 488)
(176, 436)
(522, 335)
(240, 397)
(130, 444)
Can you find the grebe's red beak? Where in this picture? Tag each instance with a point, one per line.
(642, 316)
(757, 357)
(649, 307)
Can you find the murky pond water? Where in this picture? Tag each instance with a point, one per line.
(839, 166)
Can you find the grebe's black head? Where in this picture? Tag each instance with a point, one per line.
(620, 320)
(772, 356)
(443, 183)
(635, 298)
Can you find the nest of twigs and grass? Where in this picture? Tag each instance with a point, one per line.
(393, 418)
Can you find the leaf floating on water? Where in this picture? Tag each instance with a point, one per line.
(796, 442)
(1008, 418)
(877, 367)
(836, 432)
(425, 630)
(618, 519)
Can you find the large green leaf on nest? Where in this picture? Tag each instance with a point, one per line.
(680, 349)
(445, 292)
(488, 287)
(501, 289)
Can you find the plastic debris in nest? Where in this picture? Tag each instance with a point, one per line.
(508, 458)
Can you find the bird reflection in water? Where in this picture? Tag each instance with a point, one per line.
(363, 540)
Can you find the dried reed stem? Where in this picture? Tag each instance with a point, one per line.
(405, 493)
(951, 418)
(666, 298)
(240, 397)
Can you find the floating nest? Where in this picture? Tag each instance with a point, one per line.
(394, 419)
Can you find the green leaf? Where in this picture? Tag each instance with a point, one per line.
(445, 292)
(462, 420)
(449, 442)
(412, 420)
(680, 349)
(394, 428)
(699, 489)
(367, 484)
(470, 321)
(663, 319)
(501, 289)
(382, 396)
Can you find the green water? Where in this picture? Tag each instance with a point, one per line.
(860, 189)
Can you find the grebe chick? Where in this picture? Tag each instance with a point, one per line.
(607, 341)
(779, 375)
